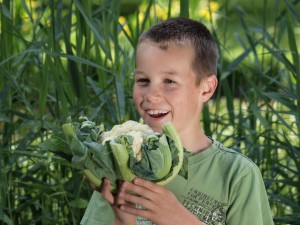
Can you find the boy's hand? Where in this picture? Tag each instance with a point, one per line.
(161, 206)
(121, 218)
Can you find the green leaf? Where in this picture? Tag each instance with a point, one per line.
(79, 203)
(58, 146)
(234, 64)
(5, 11)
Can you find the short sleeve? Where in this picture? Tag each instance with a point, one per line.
(98, 211)
(249, 202)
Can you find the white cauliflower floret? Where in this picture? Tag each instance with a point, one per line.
(138, 131)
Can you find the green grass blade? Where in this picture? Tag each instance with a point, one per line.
(184, 8)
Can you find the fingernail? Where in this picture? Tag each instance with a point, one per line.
(124, 184)
(121, 194)
(106, 180)
(136, 180)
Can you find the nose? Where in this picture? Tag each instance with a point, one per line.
(154, 93)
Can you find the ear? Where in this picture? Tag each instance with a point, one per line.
(207, 87)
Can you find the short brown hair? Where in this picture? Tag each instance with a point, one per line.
(187, 32)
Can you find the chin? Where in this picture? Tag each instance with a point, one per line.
(157, 130)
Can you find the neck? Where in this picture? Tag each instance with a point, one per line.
(197, 142)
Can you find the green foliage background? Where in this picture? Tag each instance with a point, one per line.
(61, 58)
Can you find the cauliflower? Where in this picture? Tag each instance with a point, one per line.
(99, 153)
(138, 131)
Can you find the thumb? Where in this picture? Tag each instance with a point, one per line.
(106, 193)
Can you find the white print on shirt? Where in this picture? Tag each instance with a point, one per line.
(143, 221)
(206, 208)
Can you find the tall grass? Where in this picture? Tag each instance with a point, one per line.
(262, 98)
(67, 58)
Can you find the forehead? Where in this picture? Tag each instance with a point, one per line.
(169, 49)
(173, 60)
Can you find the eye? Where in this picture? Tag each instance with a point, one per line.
(168, 81)
(142, 81)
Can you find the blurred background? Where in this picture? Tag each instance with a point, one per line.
(61, 58)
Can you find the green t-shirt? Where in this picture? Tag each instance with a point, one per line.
(221, 186)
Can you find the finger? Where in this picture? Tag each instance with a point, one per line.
(105, 191)
(136, 201)
(119, 201)
(144, 188)
(131, 198)
(130, 209)
(148, 185)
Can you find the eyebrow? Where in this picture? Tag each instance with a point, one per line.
(167, 72)
(139, 72)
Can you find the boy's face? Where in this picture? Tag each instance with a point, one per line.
(165, 89)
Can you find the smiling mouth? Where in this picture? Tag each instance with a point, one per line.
(157, 113)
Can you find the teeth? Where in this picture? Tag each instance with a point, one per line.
(157, 112)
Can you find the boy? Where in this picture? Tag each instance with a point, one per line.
(176, 63)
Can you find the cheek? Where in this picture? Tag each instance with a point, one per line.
(136, 96)
(187, 101)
